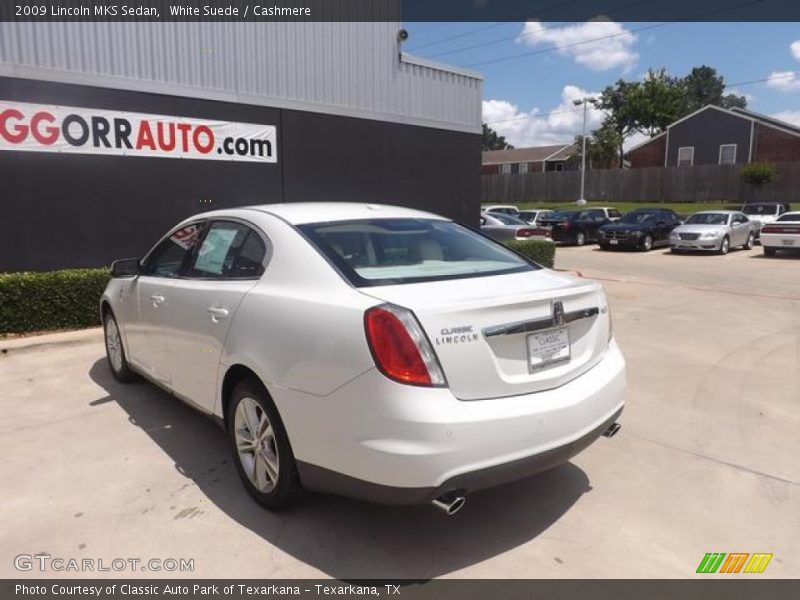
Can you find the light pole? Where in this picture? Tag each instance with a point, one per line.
(585, 103)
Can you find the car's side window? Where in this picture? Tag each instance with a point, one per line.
(229, 250)
(250, 262)
(171, 256)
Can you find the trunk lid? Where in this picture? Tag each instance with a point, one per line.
(488, 332)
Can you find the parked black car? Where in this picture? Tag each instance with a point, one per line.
(578, 226)
(643, 228)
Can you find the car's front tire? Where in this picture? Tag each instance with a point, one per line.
(647, 243)
(260, 446)
(115, 351)
(724, 246)
(580, 238)
(748, 245)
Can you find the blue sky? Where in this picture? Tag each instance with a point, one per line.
(571, 59)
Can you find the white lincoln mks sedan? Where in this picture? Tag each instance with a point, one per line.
(371, 351)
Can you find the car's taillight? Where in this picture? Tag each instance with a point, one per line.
(528, 232)
(400, 348)
(780, 229)
(565, 224)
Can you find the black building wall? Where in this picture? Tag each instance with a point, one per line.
(74, 210)
(706, 131)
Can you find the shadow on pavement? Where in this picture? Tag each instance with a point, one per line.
(347, 539)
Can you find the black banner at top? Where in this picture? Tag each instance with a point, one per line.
(398, 10)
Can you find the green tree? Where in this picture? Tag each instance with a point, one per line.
(602, 148)
(621, 103)
(704, 86)
(491, 141)
(659, 102)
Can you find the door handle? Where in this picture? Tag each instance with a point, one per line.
(218, 313)
(157, 299)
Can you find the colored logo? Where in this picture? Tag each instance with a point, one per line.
(735, 562)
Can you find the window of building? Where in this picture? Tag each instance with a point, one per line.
(523, 167)
(727, 154)
(686, 156)
(559, 166)
(505, 169)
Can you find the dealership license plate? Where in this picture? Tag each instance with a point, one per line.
(788, 242)
(548, 348)
(613, 242)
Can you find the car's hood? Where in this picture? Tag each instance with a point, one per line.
(697, 228)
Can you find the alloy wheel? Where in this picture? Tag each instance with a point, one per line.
(113, 344)
(256, 445)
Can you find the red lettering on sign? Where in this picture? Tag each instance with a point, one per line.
(162, 142)
(50, 134)
(145, 137)
(184, 128)
(21, 130)
(209, 145)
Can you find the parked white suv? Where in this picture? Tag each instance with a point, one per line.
(372, 351)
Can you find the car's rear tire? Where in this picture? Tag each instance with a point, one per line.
(261, 449)
(115, 351)
(724, 246)
(647, 243)
(675, 251)
(769, 251)
(748, 245)
(580, 238)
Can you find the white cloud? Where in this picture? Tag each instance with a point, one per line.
(558, 125)
(790, 116)
(795, 47)
(784, 81)
(599, 44)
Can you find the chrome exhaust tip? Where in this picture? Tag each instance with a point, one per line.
(449, 504)
(612, 431)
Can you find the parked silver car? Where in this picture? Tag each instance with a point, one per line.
(714, 230)
(502, 228)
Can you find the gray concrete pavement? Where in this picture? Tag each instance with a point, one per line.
(707, 459)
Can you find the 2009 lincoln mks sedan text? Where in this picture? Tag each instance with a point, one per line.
(372, 351)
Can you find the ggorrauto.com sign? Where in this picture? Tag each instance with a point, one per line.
(26, 127)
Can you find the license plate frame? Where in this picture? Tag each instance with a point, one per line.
(613, 242)
(788, 242)
(548, 348)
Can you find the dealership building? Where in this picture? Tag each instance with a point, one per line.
(112, 132)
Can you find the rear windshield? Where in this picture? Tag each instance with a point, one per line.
(507, 219)
(641, 217)
(561, 214)
(708, 219)
(396, 251)
(790, 217)
(760, 209)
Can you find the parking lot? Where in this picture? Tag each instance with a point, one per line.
(706, 461)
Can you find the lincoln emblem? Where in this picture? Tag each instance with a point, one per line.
(558, 312)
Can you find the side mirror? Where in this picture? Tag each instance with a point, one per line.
(126, 267)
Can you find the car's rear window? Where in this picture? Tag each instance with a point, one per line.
(395, 251)
(790, 217)
(760, 209)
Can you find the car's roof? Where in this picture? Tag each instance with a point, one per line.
(645, 209)
(791, 212)
(763, 203)
(299, 213)
(499, 206)
(716, 212)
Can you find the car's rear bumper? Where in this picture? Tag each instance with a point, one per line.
(780, 241)
(324, 480)
(382, 441)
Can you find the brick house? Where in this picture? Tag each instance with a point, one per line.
(536, 159)
(714, 135)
